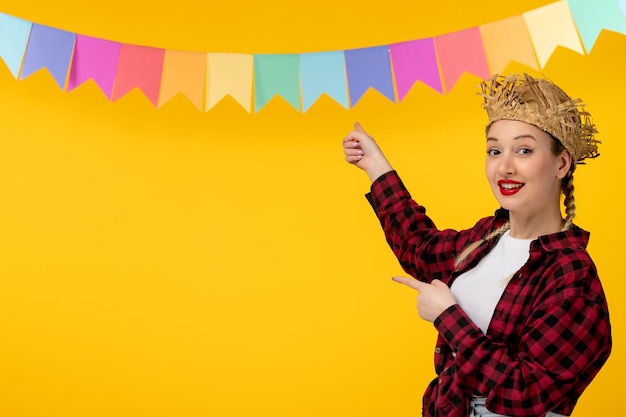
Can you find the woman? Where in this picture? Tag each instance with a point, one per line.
(522, 320)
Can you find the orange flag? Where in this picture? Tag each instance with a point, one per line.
(508, 40)
(184, 72)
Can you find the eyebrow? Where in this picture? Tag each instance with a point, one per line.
(522, 136)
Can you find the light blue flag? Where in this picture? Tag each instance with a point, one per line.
(14, 34)
(591, 16)
(276, 74)
(323, 72)
(49, 48)
(622, 5)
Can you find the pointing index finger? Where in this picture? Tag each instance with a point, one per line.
(410, 282)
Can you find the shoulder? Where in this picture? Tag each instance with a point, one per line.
(569, 269)
(567, 252)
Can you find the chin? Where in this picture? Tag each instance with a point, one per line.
(507, 205)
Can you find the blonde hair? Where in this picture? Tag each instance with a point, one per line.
(567, 186)
(475, 245)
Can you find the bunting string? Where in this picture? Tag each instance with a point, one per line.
(205, 78)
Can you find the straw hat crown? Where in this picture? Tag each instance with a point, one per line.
(543, 104)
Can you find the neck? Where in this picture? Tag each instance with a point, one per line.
(531, 227)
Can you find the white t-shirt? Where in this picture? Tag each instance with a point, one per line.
(478, 290)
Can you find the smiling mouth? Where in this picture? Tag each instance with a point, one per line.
(509, 187)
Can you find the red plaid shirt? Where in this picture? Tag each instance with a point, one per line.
(550, 332)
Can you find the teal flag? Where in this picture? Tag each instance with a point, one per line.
(276, 74)
(591, 16)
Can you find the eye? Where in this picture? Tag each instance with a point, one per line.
(525, 151)
(493, 152)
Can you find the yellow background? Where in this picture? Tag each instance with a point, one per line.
(171, 262)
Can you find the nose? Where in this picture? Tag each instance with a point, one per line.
(507, 166)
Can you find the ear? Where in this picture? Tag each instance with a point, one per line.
(564, 163)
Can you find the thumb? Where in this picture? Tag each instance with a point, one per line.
(438, 284)
(359, 128)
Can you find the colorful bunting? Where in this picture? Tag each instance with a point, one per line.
(276, 74)
(369, 67)
(184, 72)
(301, 79)
(508, 40)
(591, 16)
(320, 73)
(415, 61)
(229, 74)
(48, 48)
(552, 26)
(140, 67)
(461, 52)
(94, 59)
(14, 34)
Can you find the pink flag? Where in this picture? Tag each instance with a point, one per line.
(415, 61)
(96, 59)
(141, 67)
(461, 52)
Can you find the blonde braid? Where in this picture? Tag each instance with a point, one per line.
(474, 245)
(568, 191)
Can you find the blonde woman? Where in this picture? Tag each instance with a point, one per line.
(522, 320)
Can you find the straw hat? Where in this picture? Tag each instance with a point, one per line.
(541, 103)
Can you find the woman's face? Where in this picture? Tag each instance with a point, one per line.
(524, 174)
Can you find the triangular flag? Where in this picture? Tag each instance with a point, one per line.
(369, 67)
(229, 74)
(460, 52)
(141, 67)
(14, 34)
(184, 72)
(591, 16)
(323, 72)
(552, 26)
(94, 59)
(415, 61)
(276, 74)
(48, 48)
(622, 5)
(508, 40)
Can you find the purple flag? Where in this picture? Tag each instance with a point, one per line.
(96, 59)
(415, 61)
(48, 48)
(369, 67)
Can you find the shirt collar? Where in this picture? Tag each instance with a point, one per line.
(575, 237)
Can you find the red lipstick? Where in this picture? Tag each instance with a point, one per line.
(509, 187)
